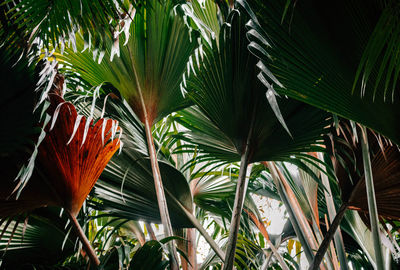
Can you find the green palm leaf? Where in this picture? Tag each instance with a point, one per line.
(126, 189)
(240, 118)
(55, 22)
(42, 242)
(316, 59)
(19, 80)
(149, 66)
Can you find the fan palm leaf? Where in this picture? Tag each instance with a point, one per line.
(317, 60)
(135, 197)
(57, 22)
(75, 152)
(348, 165)
(385, 166)
(19, 80)
(35, 194)
(237, 120)
(42, 241)
(149, 67)
(72, 157)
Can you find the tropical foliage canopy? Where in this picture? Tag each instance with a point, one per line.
(155, 134)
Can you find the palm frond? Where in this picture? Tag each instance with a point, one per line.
(43, 241)
(316, 59)
(149, 65)
(380, 62)
(57, 22)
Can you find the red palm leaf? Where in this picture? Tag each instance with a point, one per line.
(71, 158)
(386, 172)
(75, 152)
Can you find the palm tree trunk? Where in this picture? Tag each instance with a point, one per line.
(182, 245)
(85, 242)
(241, 188)
(162, 202)
(372, 208)
(328, 238)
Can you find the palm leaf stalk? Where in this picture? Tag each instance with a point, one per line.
(292, 217)
(328, 238)
(147, 73)
(241, 188)
(293, 204)
(84, 240)
(332, 213)
(73, 155)
(200, 228)
(162, 201)
(307, 195)
(135, 227)
(264, 232)
(372, 207)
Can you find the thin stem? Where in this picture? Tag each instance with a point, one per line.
(191, 248)
(372, 208)
(331, 246)
(162, 202)
(85, 242)
(328, 238)
(200, 228)
(135, 226)
(264, 232)
(338, 239)
(304, 229)
(151, 231)
(292, 216)
(241, 188)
